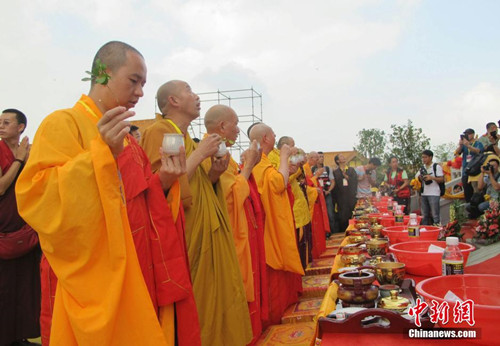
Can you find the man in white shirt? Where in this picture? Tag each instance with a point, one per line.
(430, 175)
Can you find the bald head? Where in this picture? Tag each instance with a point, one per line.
(170, 88)
(258, 132)
(313, 158)
(264, 135)
(114, 55)
(216, 115)
(286, 140)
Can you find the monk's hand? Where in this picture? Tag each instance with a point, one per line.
(219, 166)
(23, 149)
(172, 167)
(113, 128)
(319, 171)
(285, 151)
(209, 145)
(252, 155)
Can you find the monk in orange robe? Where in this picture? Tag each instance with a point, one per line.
(301, 193)
(320, 224)
(77, 171)
(222, 120)
(282, 256)
(217, 282)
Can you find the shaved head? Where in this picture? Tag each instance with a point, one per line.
(170, 88)
(114, 55)
(313, 157)
(217, 114)
(286, 140)
(258, 132)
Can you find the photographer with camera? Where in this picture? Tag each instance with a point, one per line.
(367, 177)
(469, 147)
(488, 184)
(490, 139)
(397, 179)
(430, 175)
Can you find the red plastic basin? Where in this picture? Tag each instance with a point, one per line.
(399, 234)
(387, 221)
(420, 262)
(483, 289)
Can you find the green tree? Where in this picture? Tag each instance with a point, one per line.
(407, 143)
(444, 152)
(372, 143)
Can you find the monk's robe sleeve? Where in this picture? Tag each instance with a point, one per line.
(70, 193)
(312, 196)
(236, 191)
(151, 142)
(279, 236)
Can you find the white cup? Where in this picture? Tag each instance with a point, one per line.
(172, 142)
(222, 150)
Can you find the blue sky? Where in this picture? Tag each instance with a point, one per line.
(326, 69)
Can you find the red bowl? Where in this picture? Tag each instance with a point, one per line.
(422, 263)
(399, 234)
(482, 289)
(387, 221)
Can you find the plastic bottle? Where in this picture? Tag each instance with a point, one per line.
(413, 228)
(453, 261)
(399, 216)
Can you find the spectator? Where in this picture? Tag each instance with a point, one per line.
(488, 184)
(134, 131)
(430, 176)
(469, 147)
(397, 179)
(325, 180)
(367, 177)
(344, 192)
(490, 139)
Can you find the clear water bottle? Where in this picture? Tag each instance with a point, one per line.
(413, 228)
(399, 216)
(453, 260)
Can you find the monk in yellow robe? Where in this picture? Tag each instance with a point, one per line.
(71, 192)
(217, 282)
(222, 120)
(282, 256)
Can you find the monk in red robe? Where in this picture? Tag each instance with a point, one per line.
(19, 271)
(111, 240)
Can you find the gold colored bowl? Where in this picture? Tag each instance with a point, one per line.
(390, 273)
(354, 239)
(377, 246)
(354, 259)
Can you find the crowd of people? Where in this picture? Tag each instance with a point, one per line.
(125, 243)
(109, 239)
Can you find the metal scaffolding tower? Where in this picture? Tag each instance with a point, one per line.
(247, 103)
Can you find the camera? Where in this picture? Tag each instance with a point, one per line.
(423, 172)
(493, 134)
(488, 167)
(463, 136)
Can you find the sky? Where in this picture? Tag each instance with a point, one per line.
(325, 68)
